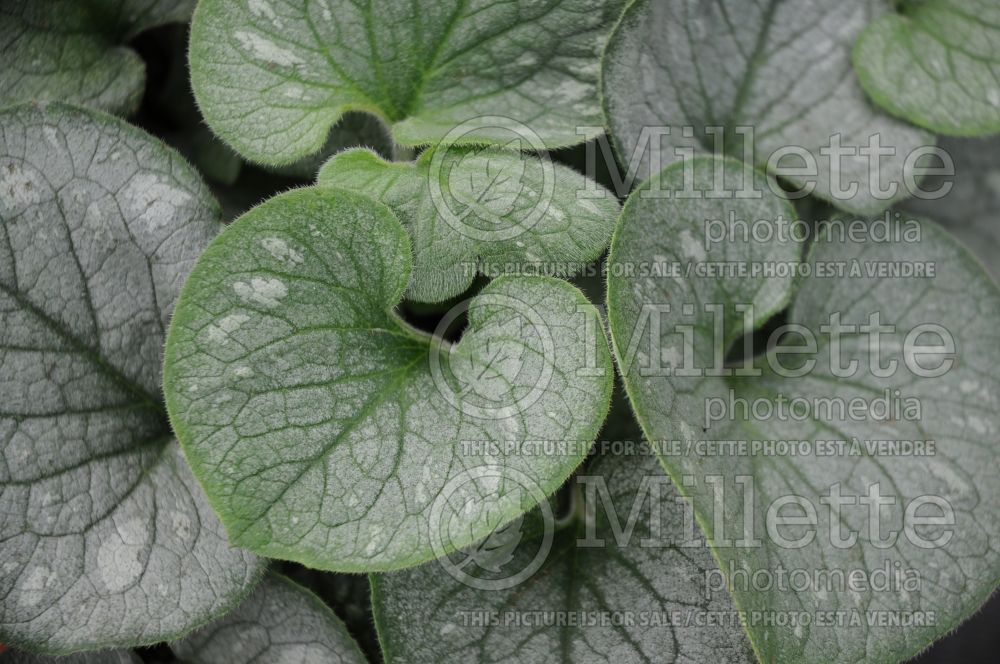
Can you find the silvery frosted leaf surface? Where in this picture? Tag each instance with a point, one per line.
(781, 69)
(280, 622)
(618, 601)
(75, 50)
(272, 76)
(955, 563)
(107, 538)
(328, 431)
(936, 64)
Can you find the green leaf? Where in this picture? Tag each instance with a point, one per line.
(273, 77)
(936, 64)
(483, 210)
(425, 615)
(107, 538)
(780, 68)
(958, 411)
(102, 657)
(971, 210)
(280, 622)
(75, 50)
(324, 428)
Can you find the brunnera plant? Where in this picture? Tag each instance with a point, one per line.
(182, 400)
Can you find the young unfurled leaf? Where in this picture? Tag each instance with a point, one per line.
(971, 209)
(848, 387)
(487, 187)
(107, 538)
(272, 77)
(486, 210)
(712, 71)
(641, 599)
(327, 431)
(936, 64)
(74, 51)
(280, 622)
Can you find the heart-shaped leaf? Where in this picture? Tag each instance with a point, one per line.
(272, 76)
(487, 210)
(74, 51)
(936, 64)
(867, 419)
(280, 622)
(327, 431)
(216, 160)
(712, 73)
(107, 538)
(599, 596)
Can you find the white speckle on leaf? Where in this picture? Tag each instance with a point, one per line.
(181, 523)
(327, 14)
(265, 291)
(570, 91)
(153, 201)
(39, 580)
(588, 205)
(280, 250)
(243, 371)
(447, 629)
(19, 187)
(220, 332)
(527, 59)
(51, 136)
(978, 425)
(266, 50)
(691, 247)
(263, 9)
(671, 356)
(120, 557)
